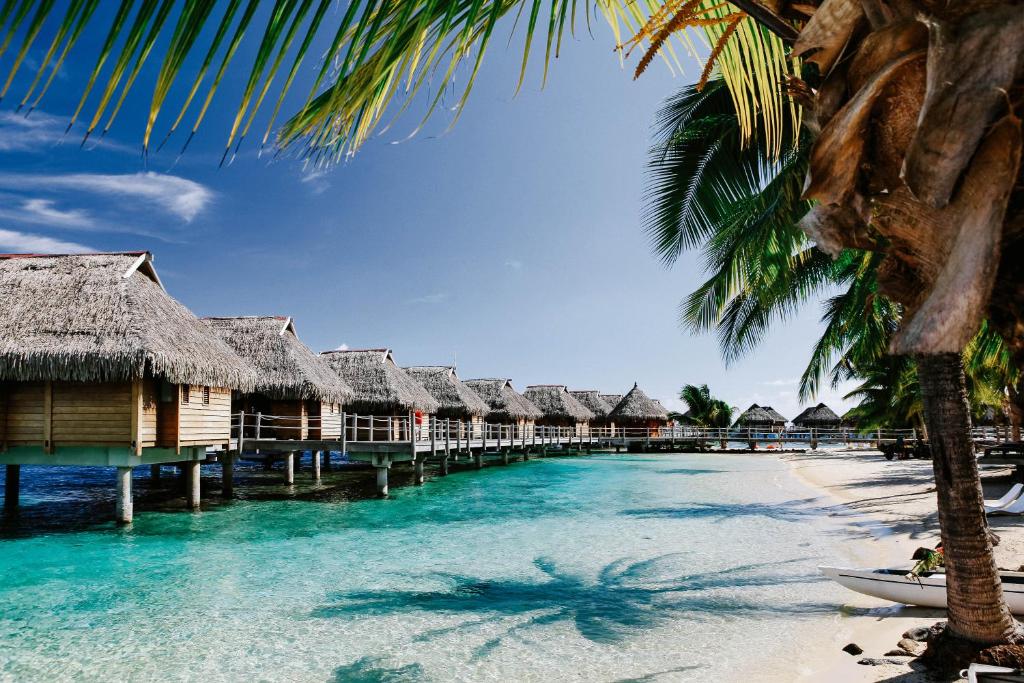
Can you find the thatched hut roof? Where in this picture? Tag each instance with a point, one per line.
(592, 401)
(104, 317)
(380, 386)
(814, 416)
(555, 401)
(761, 415)
(611, 399)
(455, 398)
(285, 367)
(636, 406)
(505, 403)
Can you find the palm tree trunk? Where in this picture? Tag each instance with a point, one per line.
(976, 609)
(1016, 392)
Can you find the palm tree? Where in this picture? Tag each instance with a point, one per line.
(704, 409)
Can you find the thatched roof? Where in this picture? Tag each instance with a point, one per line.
(455, 398)
(638, 406)
(505, 403)
(612, 400)
(555, 401)
(104, 317)
(380, 386)
(285, 367)
(756, 414)
(812, 416)
(593, 402)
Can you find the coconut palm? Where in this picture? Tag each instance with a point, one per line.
(704, 409)
(898, 167)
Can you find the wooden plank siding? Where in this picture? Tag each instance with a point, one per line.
(292, 419)
(205, 420)
(325, 420)
(92, 414)
(24, 418)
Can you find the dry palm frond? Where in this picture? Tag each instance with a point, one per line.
(734, 22)
(687, 17)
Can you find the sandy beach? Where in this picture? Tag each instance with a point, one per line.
(890, 508)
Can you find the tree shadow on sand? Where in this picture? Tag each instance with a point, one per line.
(624, 599)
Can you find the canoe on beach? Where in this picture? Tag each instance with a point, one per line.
(927, 590)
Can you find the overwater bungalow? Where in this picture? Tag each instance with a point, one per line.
(297, 394)
(384, 390)
(611, 399)
(761, 418)
(458, 402)
(559, 408)
(638, 410)
(817, 417)
(592, 401)
(100, 366)
(506, 405)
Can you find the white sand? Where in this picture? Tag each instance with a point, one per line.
(891, 512)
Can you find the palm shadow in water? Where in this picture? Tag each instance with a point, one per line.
(789, 511)
(694, 470)
(626, 598)
(367, 670)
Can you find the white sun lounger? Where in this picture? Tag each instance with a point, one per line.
(1011, 495)
(1014, 508)
(986, 673)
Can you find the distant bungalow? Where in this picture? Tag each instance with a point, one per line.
(457, 401)
(560, 408)
(295, 386)
(638, 410)
(100, 366)
(592, 401)
(763, 418)
(817, 417)
(384, 390)
(611, 399)
(505, 404)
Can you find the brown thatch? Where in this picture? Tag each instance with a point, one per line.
(611, 399)
(380, 386)
(285, 367)
(104, 317)
(817, 416)
(593, 402)
(555, 401)
(456, 399)
(638, 407)
(760, 416)
(505, 403)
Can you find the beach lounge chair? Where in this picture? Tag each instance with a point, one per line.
(1010, 496)
(1012, 508)
(986, 673)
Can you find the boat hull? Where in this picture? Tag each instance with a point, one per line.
(928, 590)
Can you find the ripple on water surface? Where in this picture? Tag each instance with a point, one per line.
(610, 568)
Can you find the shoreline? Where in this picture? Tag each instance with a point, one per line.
(888, 509)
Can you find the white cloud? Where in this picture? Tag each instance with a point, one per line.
(437, 298)
(38, 131)
(45, 212)
(781, 382)
(342, 347)
(514, 264)
(179, 196)
(22, 242)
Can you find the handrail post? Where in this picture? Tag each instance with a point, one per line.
(259, 419)
(241, 429)
(344, 435)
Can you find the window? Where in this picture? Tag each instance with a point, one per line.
(206, 396)
(185, 392)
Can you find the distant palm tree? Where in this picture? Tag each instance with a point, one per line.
(704, 409)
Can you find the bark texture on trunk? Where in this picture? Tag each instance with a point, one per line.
(976, 609)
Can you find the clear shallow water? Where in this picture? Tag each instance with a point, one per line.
(605, 568)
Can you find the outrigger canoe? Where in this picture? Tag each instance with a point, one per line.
(927, 590)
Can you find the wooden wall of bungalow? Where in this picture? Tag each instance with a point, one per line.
(389, 423)
(289, 418)
(579, 427)
(136, 414)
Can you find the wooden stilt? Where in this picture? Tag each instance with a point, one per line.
(289, 468)
(154, 472)
(382, 481)
(12, 487)
(417, 475)
(326, 464)
(316, 465)
(192, 482)
(124, 495)
(227, 471)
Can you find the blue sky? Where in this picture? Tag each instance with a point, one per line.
(511, 242)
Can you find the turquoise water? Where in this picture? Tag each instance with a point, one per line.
(604, 568)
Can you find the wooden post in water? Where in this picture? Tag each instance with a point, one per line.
(227, 467)
(124, 510)
(316, 465)
(382, 464)
(192, 483)
(344, 435)
(154, 472)
(289, 468)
